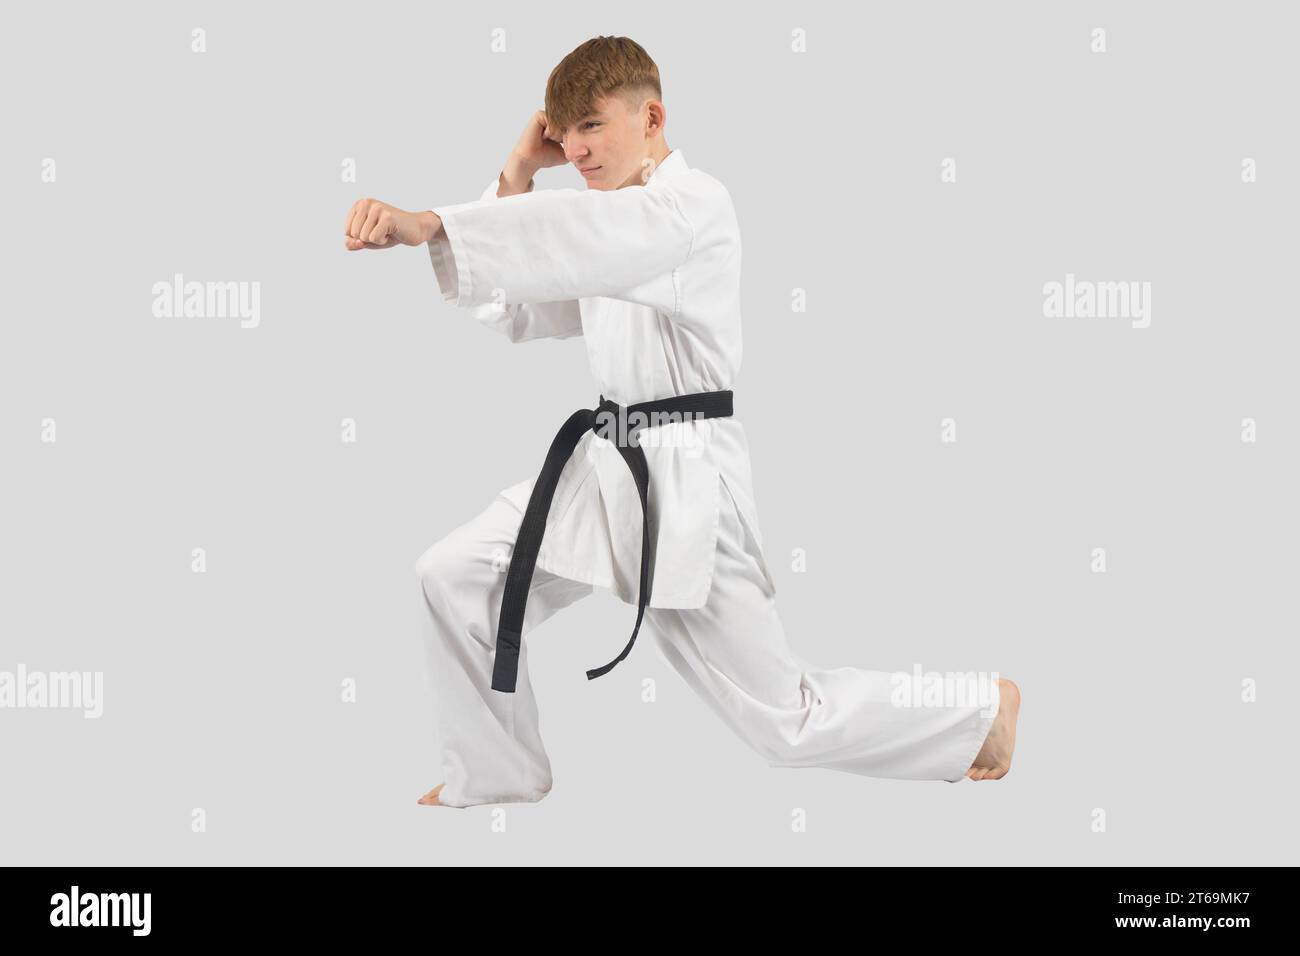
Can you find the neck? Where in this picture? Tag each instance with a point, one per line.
(658, 153)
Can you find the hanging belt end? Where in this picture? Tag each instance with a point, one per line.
(505, 669)
(600, 671)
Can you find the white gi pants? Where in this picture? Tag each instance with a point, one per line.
(732, 652)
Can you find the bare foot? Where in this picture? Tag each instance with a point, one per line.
(994, 759)
(430, 799)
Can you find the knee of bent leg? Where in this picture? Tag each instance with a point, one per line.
(439, 567)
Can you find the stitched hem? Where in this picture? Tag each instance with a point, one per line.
(530, 797)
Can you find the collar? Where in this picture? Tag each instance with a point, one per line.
(674, 162)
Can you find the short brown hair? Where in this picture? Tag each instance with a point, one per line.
(599, 67)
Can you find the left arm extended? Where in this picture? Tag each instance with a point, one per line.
(556, 244)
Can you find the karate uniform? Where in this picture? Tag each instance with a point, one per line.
(649, 277)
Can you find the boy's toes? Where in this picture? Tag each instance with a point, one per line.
(430, 799)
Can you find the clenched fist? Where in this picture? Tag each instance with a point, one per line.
(373, 224)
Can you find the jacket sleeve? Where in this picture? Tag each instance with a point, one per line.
(561, 244)
(519, 322)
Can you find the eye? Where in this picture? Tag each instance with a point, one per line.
(590, 123)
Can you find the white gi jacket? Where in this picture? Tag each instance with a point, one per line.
(649, 276)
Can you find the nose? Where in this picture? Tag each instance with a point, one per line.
(574, 150)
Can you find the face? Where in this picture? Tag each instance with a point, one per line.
(609, 145)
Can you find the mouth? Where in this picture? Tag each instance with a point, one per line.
(588, 170)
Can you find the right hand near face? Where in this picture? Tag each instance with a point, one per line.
(536, 148)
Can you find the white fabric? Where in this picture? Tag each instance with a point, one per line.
(649, 276)
(732, 652)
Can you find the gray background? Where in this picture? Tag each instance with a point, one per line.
(924, 302)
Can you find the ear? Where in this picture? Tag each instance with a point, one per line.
(656, 117)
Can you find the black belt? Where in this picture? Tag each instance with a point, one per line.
(623, 431)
